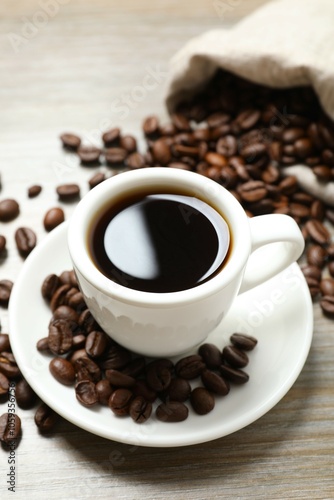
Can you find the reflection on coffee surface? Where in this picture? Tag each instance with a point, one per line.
(159, 242)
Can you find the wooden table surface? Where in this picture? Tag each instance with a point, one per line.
(66, 65)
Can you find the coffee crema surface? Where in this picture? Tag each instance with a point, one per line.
(159, 242)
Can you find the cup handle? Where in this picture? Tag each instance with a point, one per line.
(277, 242)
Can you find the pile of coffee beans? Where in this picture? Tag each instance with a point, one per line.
(103, 372)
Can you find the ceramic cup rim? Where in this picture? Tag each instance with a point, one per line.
(202, 187)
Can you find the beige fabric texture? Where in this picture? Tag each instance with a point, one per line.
(283, 44)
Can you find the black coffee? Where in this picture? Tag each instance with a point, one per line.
(159, 242)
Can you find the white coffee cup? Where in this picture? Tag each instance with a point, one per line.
(167, 324)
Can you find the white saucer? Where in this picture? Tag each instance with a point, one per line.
(279, 314)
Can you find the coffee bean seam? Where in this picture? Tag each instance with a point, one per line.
(103, 372)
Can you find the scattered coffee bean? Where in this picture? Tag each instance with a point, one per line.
(96, 179)
(111, 137)
(235, 357)
(234, 375)
(96, 343)
(327, 305)
(62, 370)
(244, 342)
(119, 379)
(120, 401)
(4, 384)
(104, 391)
(86, 393)
(26, 240)
(202, 400)
(211, 355)
(140, 410)
(327, 286)
(190, 367)
(70, 141)
(10, 427)
(34, 191)
(2, 244)
(68, 192)
(5, 291)
(215, 383)
(9, 210)
(53, 218)
(4, 342)
(49, 286)
(172, 411)
(179, 389)
(89, 155)
(45, 418)
(25, 396)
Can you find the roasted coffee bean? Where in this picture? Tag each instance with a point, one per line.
(178, 390)
(311, 271)
(89, 155)
(62, 370)
(96, 179)
(70, 141)
(66, 313)
(140, 410)
(215, 383)
(141, 388)
(129, 143)
(151, 126)
(135, 160)
(318, 232)
(116, 358)
(96, 343)
(68, 192)
(211, 355)
(252, 191)
(43, 345)
(5, 291)
(115, 156)
(202, 400)
(45, 418)
(34, 191)
(79, 342)
(243, 341)
(314, 286)
(135, 367)
(8, 366)
(327, 305)
(68, 278)
(10, 427)
(76, 354)
(9, 210)
(316, 255)
(215, 159)
(53, 218)
(87, 369)
(86, 393)
(104, 391)
(60, 337)
(234, 375)
(111, 137)
(26, 240)
(189, 367)
(119, 379)
(4, 342)
(4, 384)
(235, 357)
(322, 172)
(327, 286)
(158, 377)
(120, 401)
(49, 286)
(25, 396)
(172, 411)
(331, 268)
(318, 210)
(3, 243)
(161, 151)
(180, 122)
(87, 321)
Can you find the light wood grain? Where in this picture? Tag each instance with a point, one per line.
(67, 77)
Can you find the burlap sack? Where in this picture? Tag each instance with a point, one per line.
(283, 44)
